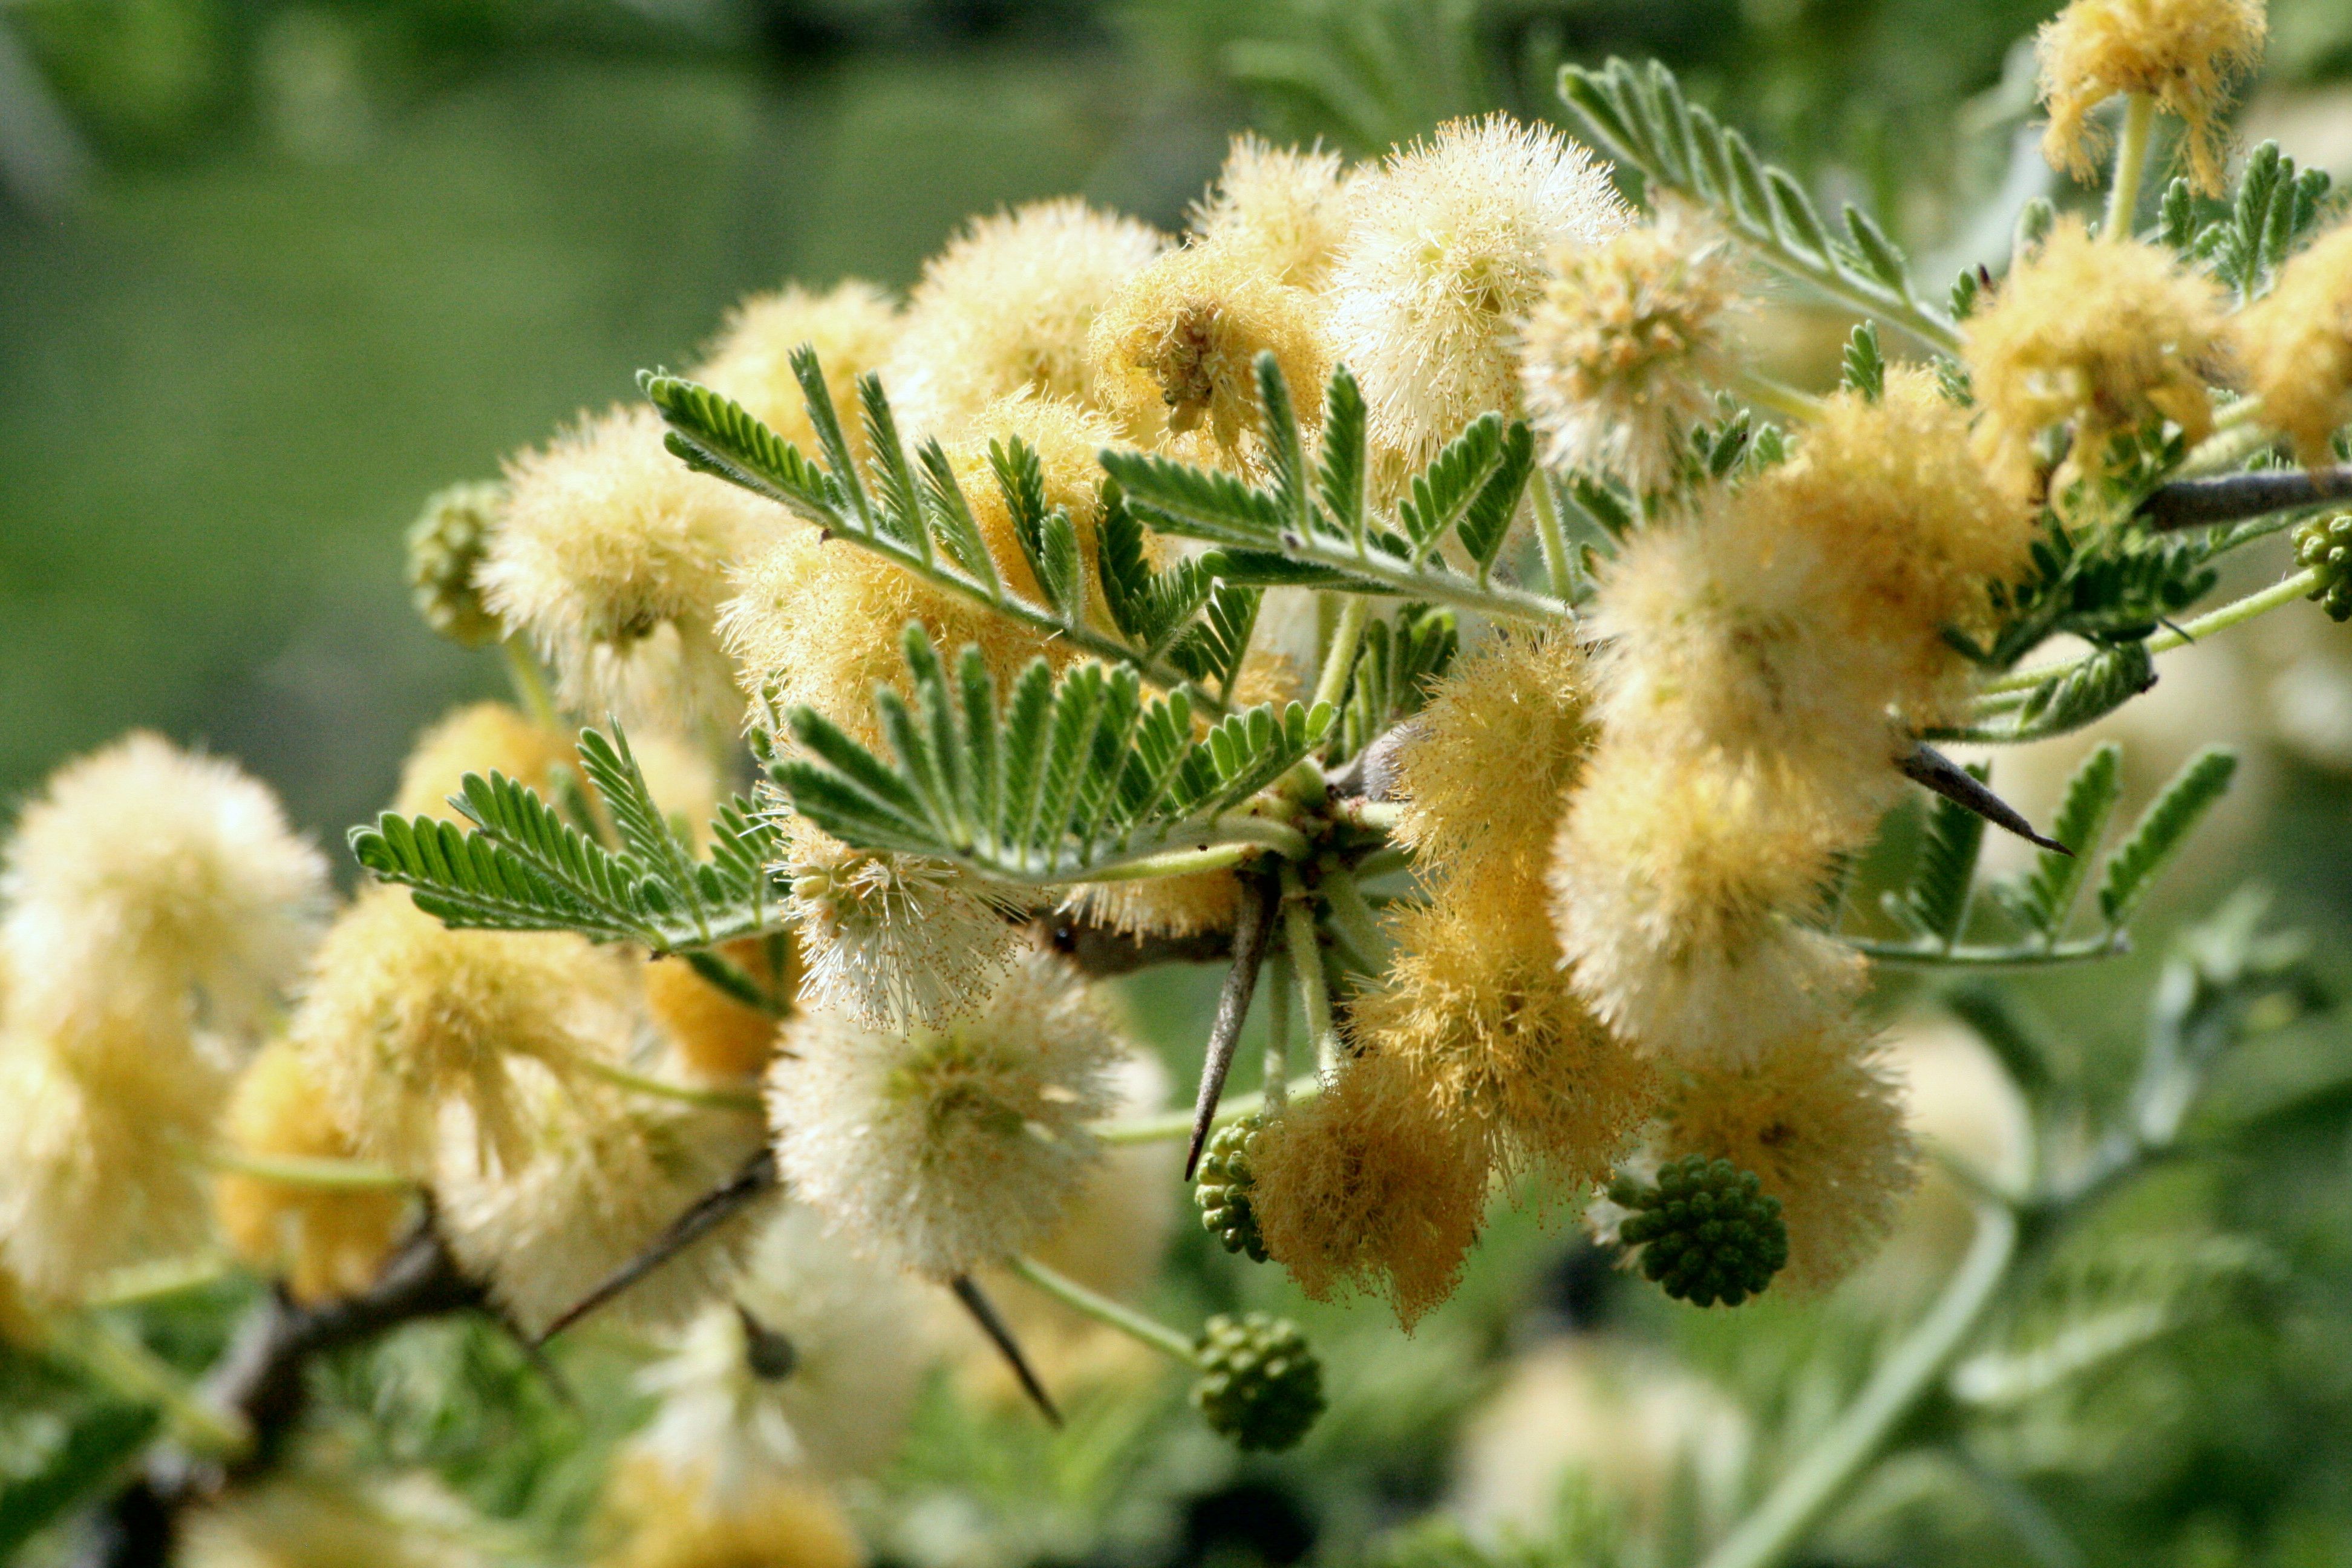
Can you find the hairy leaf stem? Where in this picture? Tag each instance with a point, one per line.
(1151, 1330)
(1559, 571)
(1935, 955)
(1339, 658)
(746, 1100)
(1776, 397)
(529, 685)
(1168, 1126)
(2131, 166)
(1307, 957)
(126, 1365)
(2286, 591)
(306, 1171)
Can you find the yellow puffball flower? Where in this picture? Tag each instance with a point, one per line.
(2104, 335)
(1623, 351)
(592, 1175)
(1821, 1123)
(657, 1518)
(851, 326)
(1475, 1009)
(1006, 310)
(1283, 209)
(713, 1034)
(402, 1016)
(1448, 251)
(2182, 53)
(325, 1241)
(1365, 1186)
(1174, 352)
(1679, 886)
(1512, 709)
(95, 1168)
(611, 556)
(479, 738)
(952, 1147)
(148, 881)
(2297, 342)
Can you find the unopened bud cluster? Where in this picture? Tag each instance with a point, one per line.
(1223, 1190)
(2325, 545)
(1260, 1382)
(1707, 1231)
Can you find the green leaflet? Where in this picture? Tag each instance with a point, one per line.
(2045, 898)
(1060, 781)
(2162, 829)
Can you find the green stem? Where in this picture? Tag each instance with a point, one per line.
(1368, 815)
(1777, 397)
(2131, 165)
(530, 686)
(1339, 658)
(304, 1171)
(1840, 1458)
(1446, 586)
(1355, 918)
(1103, 1310)
(130, 1369)
(746, 1100)
(1559, 571)
(1307, 957)
(2285, 592)
(145, 1282)
(2234, 440)
(1941, 957)
(1176, 863)
(1276, 1074)
(1175, 1125)
(1381, 862)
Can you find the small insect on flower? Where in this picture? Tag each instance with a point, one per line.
(1005, 309)
(1821, 1123)
(955, 1145)
(1623, 351)
(324, 1240)
(850, 326)
(148, 880)
(2107, 336)
(1448, 250)
(611, 556)
(2297, 342)
(2182, 53)
(1283, 210)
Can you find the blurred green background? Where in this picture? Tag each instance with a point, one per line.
(270, 273)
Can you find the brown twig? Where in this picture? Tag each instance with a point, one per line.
(2198, 503)
(1253, 932)
(758, 1178)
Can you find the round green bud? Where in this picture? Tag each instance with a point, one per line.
(446, 546)
(1223, 1186)
(2325, 545)
(1707, 1230)
(1260, 1385)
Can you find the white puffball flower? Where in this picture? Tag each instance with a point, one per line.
(1447, 253)
(813, 1366)
(953, 1146)
(152, 881)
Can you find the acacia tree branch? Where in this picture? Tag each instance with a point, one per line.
(2198, 503)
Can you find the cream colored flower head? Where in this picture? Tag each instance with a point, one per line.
(850, 326)
(1624, 350)
(954, 1147)
(403, 1016)
(1006, 307)
(1283, 209)
(2105, 336)
(612, 558)
(811, 1367)
(892, 940)
(2182, 53)
(2297, 342)
(1449, 247)
(1175, 350)
(595, 1174)
(145, 879)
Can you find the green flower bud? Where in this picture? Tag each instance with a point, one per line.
(1260, 1385)
(1224, 1189)
(1707, 1233)
(446, 546)
(2325, 545)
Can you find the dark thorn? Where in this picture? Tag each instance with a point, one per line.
(755, 1180)
(2176, 628)
(983, 1313)
(2197, 503)
(767, 1351)
(534, 1355)
(1931, 769)
(1253, 929)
